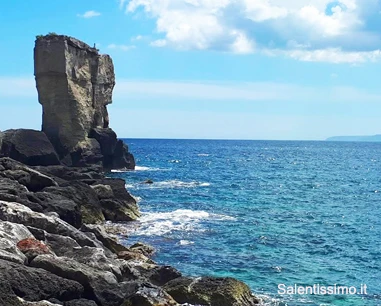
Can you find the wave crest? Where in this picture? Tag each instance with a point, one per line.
(181, 220)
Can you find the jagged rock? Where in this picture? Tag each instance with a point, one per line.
(39, 303)
(110, 242)
(36, 284)
(122, 158)
(107, 140)
(31, 248)
(65, 208)
(81, 302)
(148, 295)
(101, 286)
(118, 205)
(61, 245)
(145, 249)
(84, 196)
(13, 191)
(96, 258)
(7, 296)
(211, 291)
(18, 213)
(32, 179)
(29, 147)
(103, 191)
(85, 154)
(10, 235)
(133, 255)
(160, 275)
(75, 84)
(62, 173)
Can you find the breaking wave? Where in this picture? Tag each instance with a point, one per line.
(184, 220)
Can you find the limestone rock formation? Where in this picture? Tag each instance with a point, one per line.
(75, 85)
(28, 146)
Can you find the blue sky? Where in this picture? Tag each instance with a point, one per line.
(240, 69)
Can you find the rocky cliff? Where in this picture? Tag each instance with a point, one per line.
(75, 85)
(55, 247)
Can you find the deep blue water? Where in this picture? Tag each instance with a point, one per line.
(265, 212)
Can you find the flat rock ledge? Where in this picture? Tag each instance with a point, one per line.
(54, 249)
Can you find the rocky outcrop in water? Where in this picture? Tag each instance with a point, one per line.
(29, 147)
(49, 251)
(75, 85)
(54, 245)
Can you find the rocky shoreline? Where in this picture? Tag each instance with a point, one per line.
(55, 198)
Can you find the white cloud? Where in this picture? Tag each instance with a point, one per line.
(89, 14)
(121, 47)
(329, 55)
(316, 29)
(209, 91)
(137, 38)
(159, 43)
(234, 91)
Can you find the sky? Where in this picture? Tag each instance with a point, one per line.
(224, 69)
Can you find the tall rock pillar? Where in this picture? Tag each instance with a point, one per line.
(75, 85)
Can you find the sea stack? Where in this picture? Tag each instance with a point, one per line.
(75, 85)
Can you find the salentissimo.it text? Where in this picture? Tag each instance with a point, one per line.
(318, 289)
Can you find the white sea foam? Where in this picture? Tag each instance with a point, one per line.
(119, 170)
(184, 220)
(175, 161)
(178, 184)
(186, 242)
(203, 154)
(140, 168)
(137, 199)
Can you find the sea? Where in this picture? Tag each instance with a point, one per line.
(274, 214)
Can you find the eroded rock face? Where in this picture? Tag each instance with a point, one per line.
(75, 84)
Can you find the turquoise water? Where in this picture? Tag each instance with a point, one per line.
(265, 212)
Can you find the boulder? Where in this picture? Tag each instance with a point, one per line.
(39, 303)
(18, 213)
(115, 152)
(32, 179)
(84, 196)
(64, 173)
(107, 140)
(36, 284)
(101, 286)
(148, 295)
(109, 241)
(7, 296)
(145, 249)
(133, 255)
(211, 291)
(31, 248)
(117, 204)
(66, 209)
(85, 154)
(122, 159)
(29, 147)
(80, 302)
(13, 191)
(10, 235)
(60, 245)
